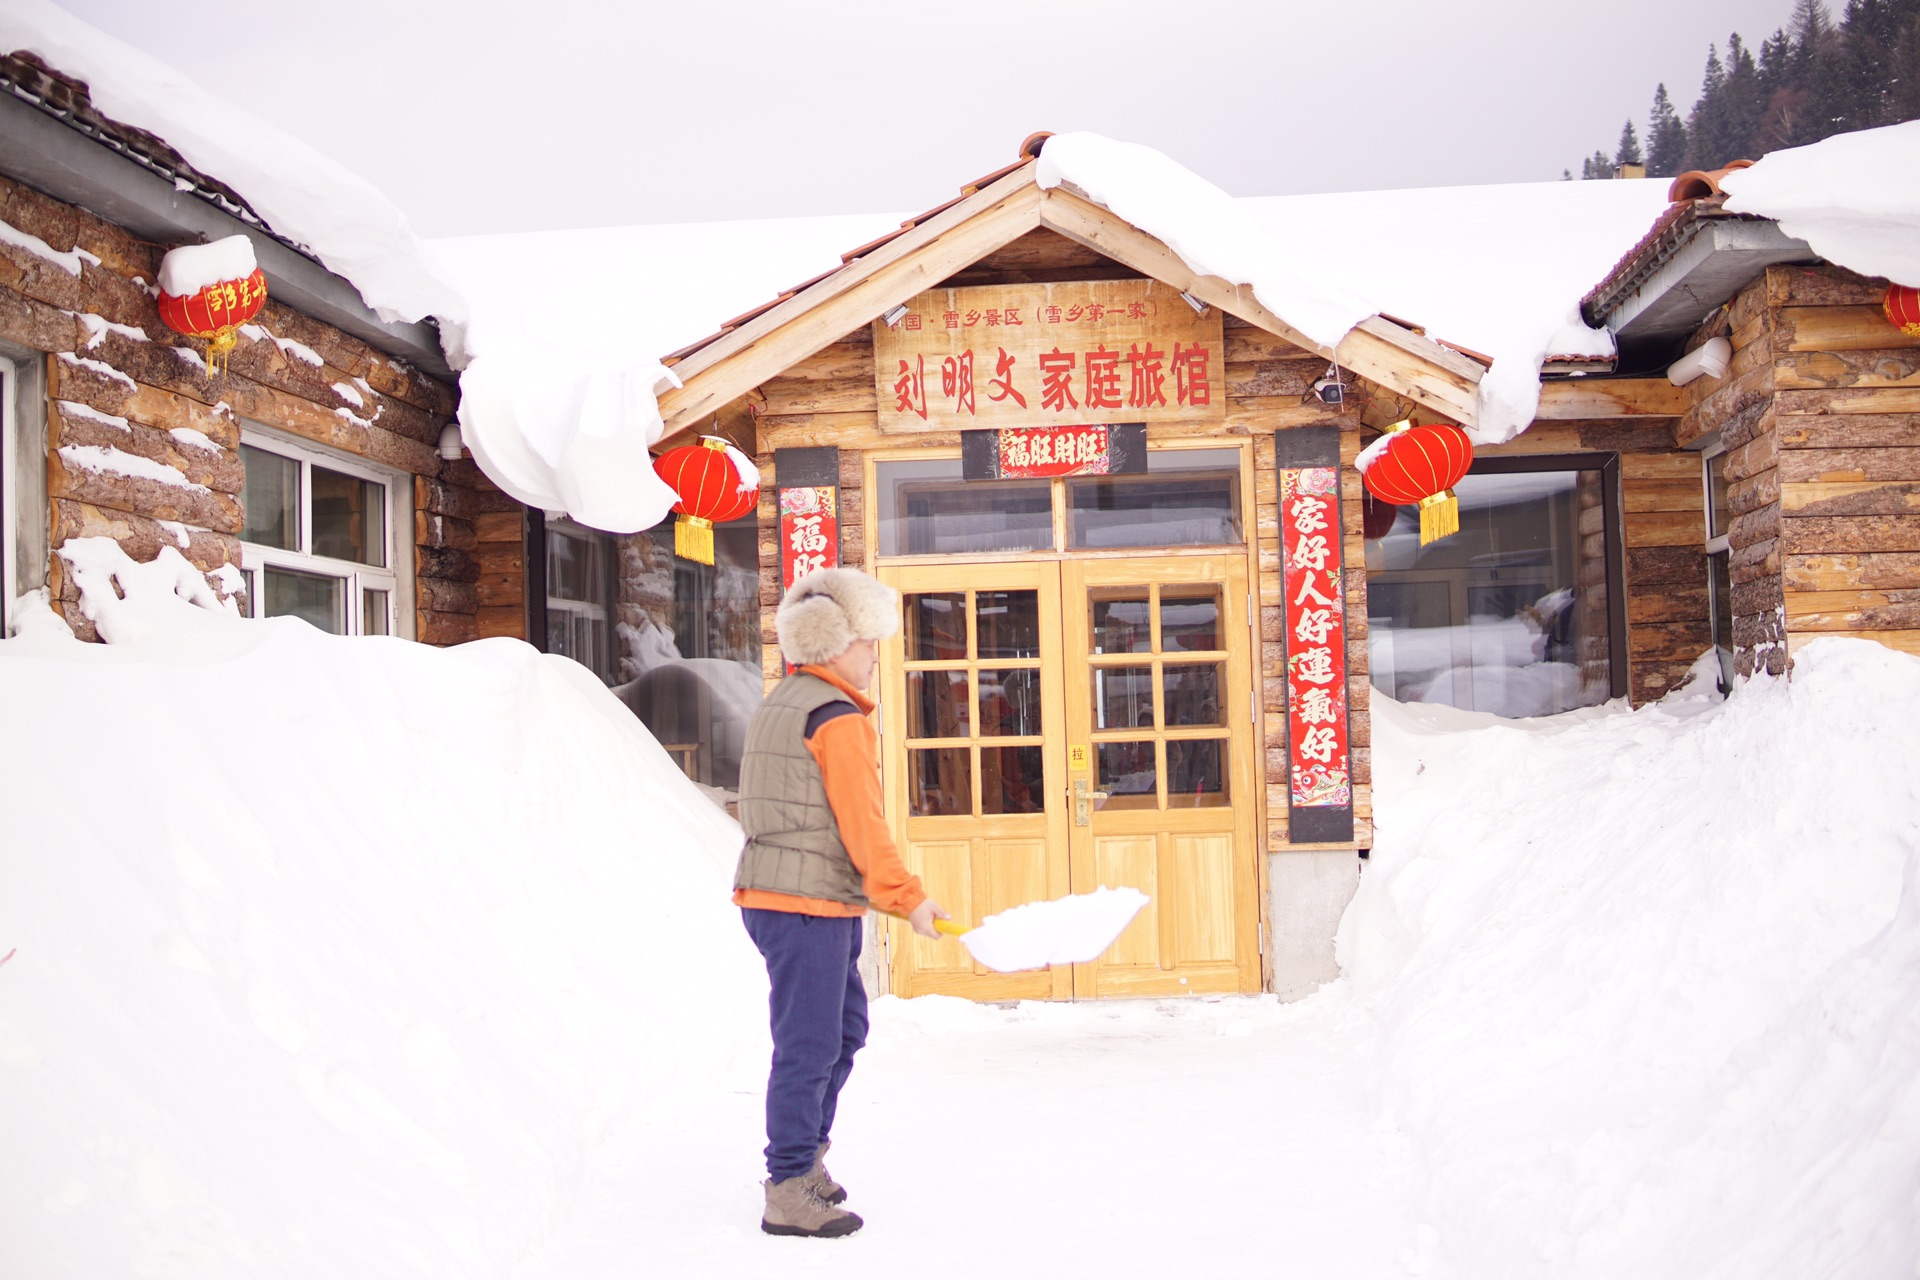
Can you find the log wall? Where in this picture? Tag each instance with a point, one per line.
(830, 399)
(1837, 458)
(110, 359)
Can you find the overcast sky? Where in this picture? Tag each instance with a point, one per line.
(478, 116)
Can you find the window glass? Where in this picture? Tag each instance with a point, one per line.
(349, 518)
(578, 588)
(1189, 497)
(315, 597)
(316, 541)
(1720, 593)
(684, 642)
(375, 620)
(1509, 615)
(272, 497)
(926, 508)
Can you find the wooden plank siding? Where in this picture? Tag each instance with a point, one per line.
(829, 398)
(1821, 413)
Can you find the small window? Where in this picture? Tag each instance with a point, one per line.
(318, 537)
(579, 590)
(1189, 497)
(687, 645)
(926, 508)
(1186, 498)
(1718, 506)
(1517, 613)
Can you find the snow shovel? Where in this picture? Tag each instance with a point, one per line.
(1069, 930)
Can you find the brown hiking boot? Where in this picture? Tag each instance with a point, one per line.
(794, 1210)
(821, 1181)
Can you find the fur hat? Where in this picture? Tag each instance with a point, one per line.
(829, 609)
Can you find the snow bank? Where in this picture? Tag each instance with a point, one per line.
(300, 193)
(336, 957)
(1854, 197)
(1647, 985)
(192, 267)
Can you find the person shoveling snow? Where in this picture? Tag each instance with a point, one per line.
(818, 853)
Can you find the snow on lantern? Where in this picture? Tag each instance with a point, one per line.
(1902, 306)
(210, 290)
(716, 483)
(1412, 465)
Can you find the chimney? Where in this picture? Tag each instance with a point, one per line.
(1629, 171)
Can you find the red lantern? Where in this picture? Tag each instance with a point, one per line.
(215, 311)
(712, 491)
(1420, 465)
(1903, 309)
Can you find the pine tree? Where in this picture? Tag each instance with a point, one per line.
(1666, 137)
(1628, 152)
(1704, 123)
(1740, 132)
(1808, 28)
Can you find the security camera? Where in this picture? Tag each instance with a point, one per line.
(1330, 390)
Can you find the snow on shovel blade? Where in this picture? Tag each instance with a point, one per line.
(1068, 930)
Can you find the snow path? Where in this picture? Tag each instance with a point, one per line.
(1233, 1131)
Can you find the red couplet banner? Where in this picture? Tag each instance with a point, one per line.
(809, 531)
(1054, 451)
(1318, 759)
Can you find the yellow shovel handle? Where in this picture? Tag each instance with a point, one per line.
(952, 928)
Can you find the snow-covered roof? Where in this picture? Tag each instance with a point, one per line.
(339, 217)
(1499, 270)
(1854, 197)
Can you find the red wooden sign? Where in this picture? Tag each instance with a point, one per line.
(1057, 451)
(1316, 638)
(809, 531)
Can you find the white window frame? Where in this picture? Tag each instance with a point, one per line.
(24, 526)
(600, 616)
(1718, 543)
(396, 578)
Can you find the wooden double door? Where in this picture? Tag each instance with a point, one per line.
(1052, 726)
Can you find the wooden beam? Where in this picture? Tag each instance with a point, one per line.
(1578, 398)
(1378, 350)
(815, 318)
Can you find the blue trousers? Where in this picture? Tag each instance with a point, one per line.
(818, 1010)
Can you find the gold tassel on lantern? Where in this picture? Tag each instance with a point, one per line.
(693, 539)
(1439, 516)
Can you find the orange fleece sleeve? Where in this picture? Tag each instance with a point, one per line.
(848, 753)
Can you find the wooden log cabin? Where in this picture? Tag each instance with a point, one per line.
(1146, 606)
(1047, 721)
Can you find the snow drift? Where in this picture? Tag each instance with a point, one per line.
(1647, 985)
(336, 956)
(342, 957)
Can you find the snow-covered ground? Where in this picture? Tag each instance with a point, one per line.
(352, 957)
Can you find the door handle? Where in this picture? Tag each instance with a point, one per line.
(1083, 802)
